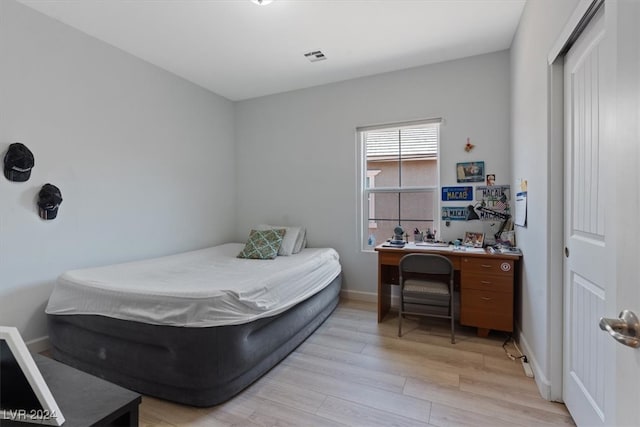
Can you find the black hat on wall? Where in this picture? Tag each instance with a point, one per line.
(18, 162)
(49, 200)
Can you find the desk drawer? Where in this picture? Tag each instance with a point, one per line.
(488, 265)
(390, 258)
(482, 319)
(393, 258)
(487, 300)
(486, 282)
(485, 309)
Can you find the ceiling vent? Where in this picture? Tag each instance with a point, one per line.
(315, 56)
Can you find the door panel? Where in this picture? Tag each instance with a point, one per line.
(587, 343)
(586, 283)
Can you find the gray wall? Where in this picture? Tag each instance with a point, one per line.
(540, 26)
(144, 159)
(147, 163)
(296, 151)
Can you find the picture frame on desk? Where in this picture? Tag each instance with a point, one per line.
(474, 240)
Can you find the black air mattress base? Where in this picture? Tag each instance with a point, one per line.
(193, 366)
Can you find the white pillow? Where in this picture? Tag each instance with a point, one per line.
(288, 241)
(301, 242)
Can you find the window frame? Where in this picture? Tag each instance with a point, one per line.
(362, 175)
(371, 179)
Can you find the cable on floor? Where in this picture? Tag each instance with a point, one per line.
(509, 355)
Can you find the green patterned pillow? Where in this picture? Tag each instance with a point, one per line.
(263, 244)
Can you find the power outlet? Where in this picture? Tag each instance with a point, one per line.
(527, 368)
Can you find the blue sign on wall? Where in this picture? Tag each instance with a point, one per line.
(457, 193)
(454, 213)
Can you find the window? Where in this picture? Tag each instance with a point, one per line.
(399, 179)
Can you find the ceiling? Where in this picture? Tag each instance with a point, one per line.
(240, 50)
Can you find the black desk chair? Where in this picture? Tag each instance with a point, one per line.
(426, 288)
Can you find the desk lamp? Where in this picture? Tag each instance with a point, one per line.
(472, 214)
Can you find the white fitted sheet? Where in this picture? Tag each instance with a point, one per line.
(207, 287)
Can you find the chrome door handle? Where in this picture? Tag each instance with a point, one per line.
(625, 330)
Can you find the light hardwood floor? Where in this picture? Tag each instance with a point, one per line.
(353, 371)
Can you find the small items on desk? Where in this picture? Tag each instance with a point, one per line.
(434, 244)
(504, 249)
(431, 236)
(509, 250)
(399, 238)
(427, 236)
(391, 244)
(418, 237)
(470, 250)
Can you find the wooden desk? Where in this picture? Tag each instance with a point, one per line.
(486, 284)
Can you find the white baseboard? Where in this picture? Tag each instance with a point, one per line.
(359, 295)
(366, 296)
(543, 383)
(39, 345)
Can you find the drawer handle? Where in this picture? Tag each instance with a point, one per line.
(486, 298)
(484, 282)
(485, 265)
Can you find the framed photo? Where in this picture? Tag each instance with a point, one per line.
(29, 399)
(470, 172)
(475, 240)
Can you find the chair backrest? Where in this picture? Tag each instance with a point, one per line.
(426, 264)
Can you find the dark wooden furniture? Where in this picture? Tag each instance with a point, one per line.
(486, 284)
(85, 400)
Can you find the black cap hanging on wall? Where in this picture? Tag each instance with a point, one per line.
(18, 162)
(49, 199)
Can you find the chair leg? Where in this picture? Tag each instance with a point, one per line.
(453, 337)
(453, 323)
(400, 322)
(452, 303)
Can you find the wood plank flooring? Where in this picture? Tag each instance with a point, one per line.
(353, 371)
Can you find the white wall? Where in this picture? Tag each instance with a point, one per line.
(144, 159)
(540, 25)
(296, 151)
